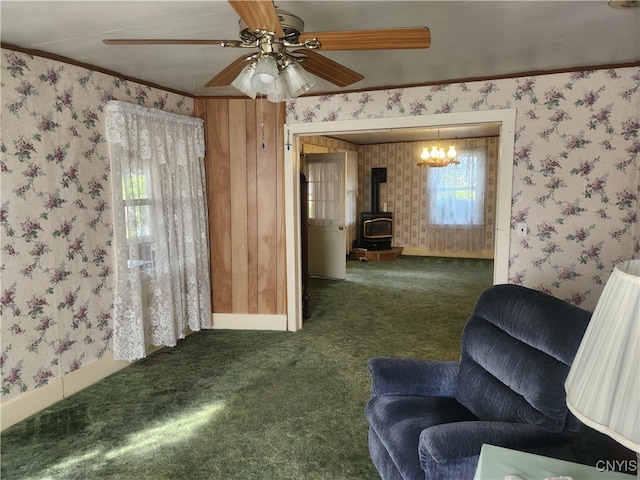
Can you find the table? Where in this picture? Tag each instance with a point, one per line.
(497, 462)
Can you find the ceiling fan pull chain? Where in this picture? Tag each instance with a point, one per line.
(262, 126)
(288, 144)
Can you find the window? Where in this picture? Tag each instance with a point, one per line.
(137, 212)
(163, 286)
(326, 186)
(456, 192)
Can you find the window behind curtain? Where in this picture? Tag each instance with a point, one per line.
(326, 187)
(456, 193)
(163, 286)
(138, 212)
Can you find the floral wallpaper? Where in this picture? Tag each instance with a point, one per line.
(576, 174)
(576, 184)
(56, 236)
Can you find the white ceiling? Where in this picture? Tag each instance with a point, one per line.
(470, 39)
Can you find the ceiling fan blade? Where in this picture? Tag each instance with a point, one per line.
(380, 39)
(161, 41)
(258, 15)
(327, 69)
(226, 76)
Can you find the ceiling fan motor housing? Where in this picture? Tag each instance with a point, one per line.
(292, 25)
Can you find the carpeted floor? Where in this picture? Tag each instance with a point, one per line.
(256, 405)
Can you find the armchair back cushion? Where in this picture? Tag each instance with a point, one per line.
(514, 360)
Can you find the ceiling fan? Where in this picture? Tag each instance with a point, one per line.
(285, 51)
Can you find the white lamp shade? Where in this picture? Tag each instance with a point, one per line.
(243, 81)
(278, 92)
(266, 69)
(264, 77)
(603, 385)
(297, 79)
(262, 88)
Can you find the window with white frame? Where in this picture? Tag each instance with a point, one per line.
(456, 192)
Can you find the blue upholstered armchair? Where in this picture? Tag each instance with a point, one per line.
(429, 419)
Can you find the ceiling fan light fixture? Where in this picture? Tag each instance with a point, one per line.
(296, 79)
(288, 80)
(279, 92)
(262, 88)
(266, 69)
(243, 81)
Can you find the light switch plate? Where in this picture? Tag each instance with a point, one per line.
(522, 230)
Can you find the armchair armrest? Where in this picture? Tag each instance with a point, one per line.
(405, 376)
(452, 441)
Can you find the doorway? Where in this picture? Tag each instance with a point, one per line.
(332, 188)
(506, 120)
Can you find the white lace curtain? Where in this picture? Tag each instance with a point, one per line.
(160, 220)
(326, 192)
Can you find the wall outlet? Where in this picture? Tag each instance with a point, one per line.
(522, 230)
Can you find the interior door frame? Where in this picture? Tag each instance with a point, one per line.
(506, 118)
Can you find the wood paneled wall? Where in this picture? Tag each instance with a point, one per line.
(245, 194)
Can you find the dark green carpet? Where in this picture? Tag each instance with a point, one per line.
(256, 405)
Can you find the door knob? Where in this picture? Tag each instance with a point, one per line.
(340, 227)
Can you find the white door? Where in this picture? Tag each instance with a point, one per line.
(330, 222)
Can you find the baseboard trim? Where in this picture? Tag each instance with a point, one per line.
(424, 252)
(30, 403)
(235, 321)
(20, 408)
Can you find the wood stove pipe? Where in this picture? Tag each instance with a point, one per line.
(378, 176)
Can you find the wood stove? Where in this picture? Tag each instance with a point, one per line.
(375, 228)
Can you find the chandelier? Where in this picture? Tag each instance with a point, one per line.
(437, 156)
(273, 72)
